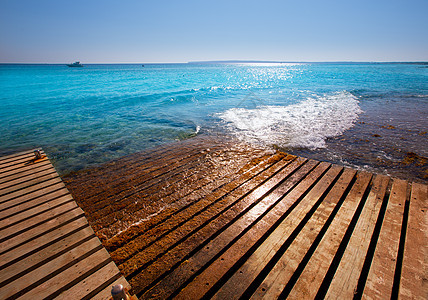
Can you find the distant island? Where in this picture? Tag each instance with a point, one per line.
(301, 62)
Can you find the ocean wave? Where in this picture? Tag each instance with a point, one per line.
(306, 124)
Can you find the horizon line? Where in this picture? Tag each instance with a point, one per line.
(214, 61)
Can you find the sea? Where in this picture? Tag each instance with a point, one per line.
(370, 116)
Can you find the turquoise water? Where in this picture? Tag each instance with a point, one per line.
(85, 116)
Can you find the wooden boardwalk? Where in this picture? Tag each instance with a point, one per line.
(201, 220)
(47, 248)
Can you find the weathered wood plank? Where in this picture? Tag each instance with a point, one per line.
(312, 276)
(71, 276)
(22, 204)
(30, 262)
(381, 275)
(89, 284)
(37, 220)
(414, 275)
(278, 277)
(203, 282)
(28, 193)
(24, 171)
(24, 215)
(38, 243)
(243, 277)
(17, 179)
(46, 244)
(41, 229)
(22, 165)
(30, 181)
(30, 158)
(42, 274)
(14, 156)
(345, 280)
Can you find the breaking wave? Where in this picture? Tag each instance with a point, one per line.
(306, 124)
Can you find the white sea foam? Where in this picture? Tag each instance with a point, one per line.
(305, 124)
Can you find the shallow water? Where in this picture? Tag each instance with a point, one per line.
(369, 115)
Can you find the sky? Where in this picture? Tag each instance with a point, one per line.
(165, 31)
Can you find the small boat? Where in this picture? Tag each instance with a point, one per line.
(76, 64)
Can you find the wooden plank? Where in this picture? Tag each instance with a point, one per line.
(24, 169)
(89, 284)
(32, 180)
(20, 164)
(193, 202)
(278, 277)
(10, 157)
(314, 273)
(204, 281)
(35, 221)
(381, 275)
(242, 278)
(18, 179)
(29, 262)
(413, 284)
(69, 277)
(199, 229)
(20, 204)
(24, 215)
(205, 209)
(44, 273)
(345, 280)
(45, 239)
(41, 229)
(46, 244)
(28, 193)
(18, 160)
(213, 273)
(201, 183)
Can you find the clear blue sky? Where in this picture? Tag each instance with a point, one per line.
(106, 31)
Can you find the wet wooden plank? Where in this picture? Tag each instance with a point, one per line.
(186, 270)
(177, 203)
(228, 209)
(218, 268)
(414, 284)
(381, 275)
(206, 210)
